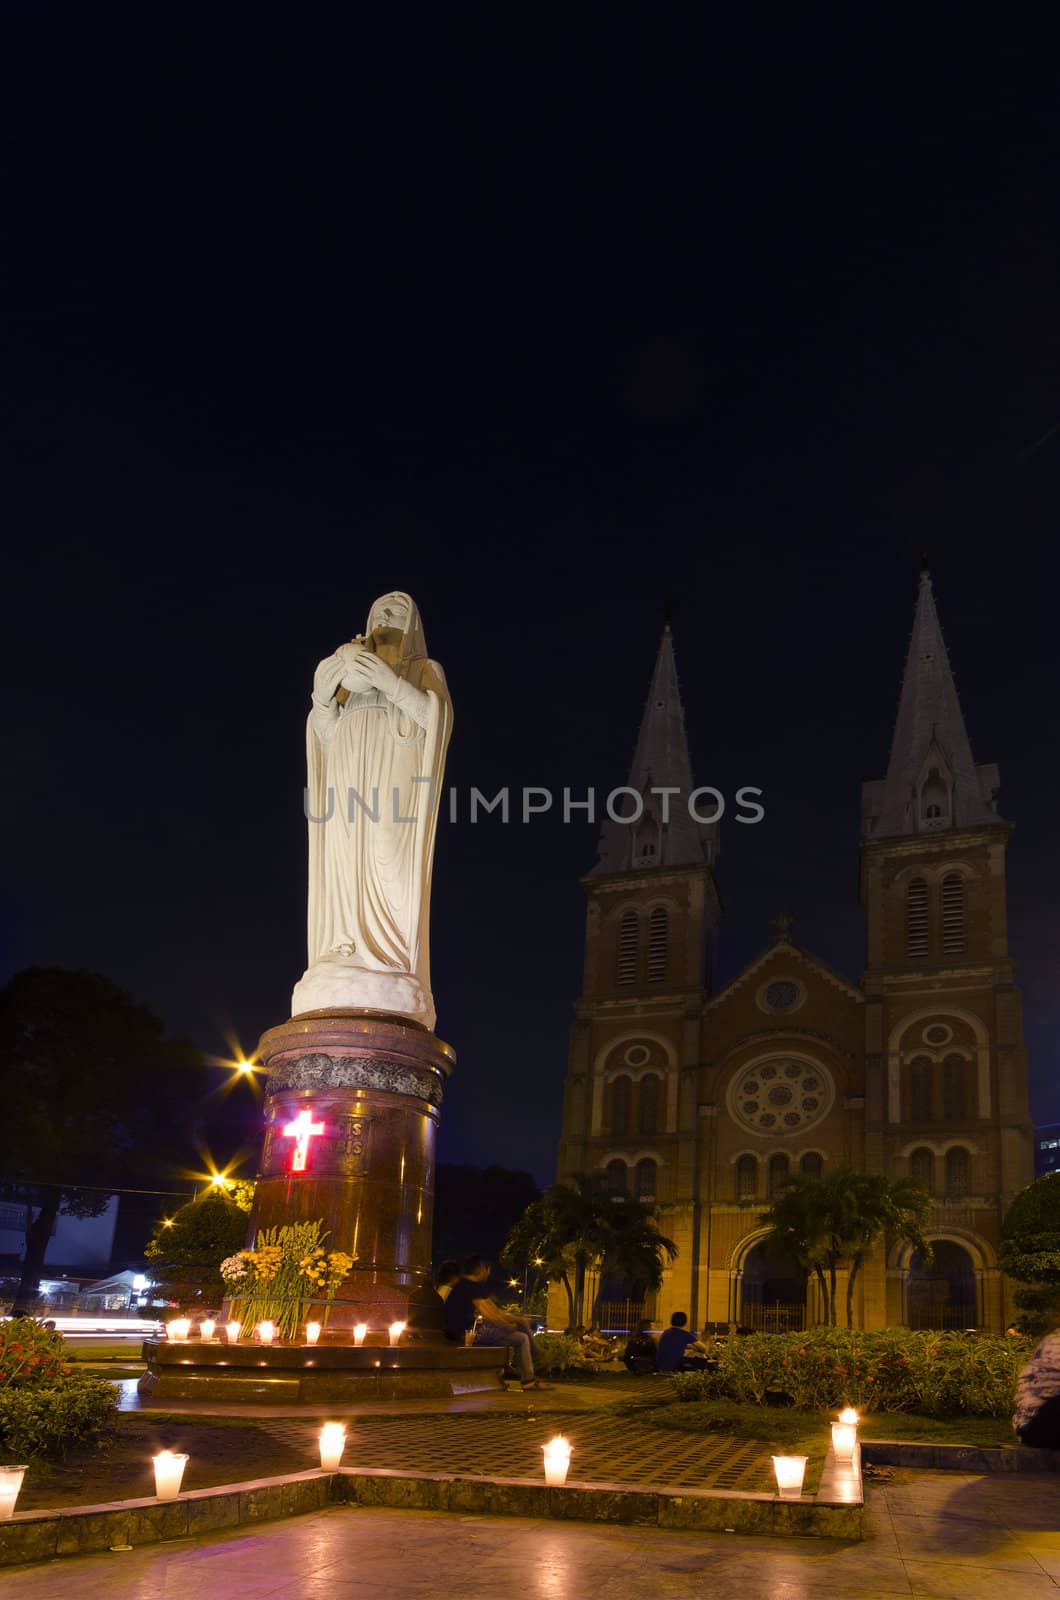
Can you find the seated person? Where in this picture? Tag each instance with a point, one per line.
(674, 1342)
(1037, 1418)
(448, 1273)
(470, 1306)
(639, 1355)
(595, 1346)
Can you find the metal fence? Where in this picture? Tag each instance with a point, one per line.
(773, 1317)
(925, 1317)
(623, 1316)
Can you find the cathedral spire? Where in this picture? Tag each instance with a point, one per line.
(666, 834)
(932, 780)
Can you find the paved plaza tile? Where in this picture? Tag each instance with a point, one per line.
(968, 1539)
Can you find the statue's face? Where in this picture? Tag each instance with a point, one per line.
(389, 614)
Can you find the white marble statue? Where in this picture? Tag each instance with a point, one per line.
(377, 737)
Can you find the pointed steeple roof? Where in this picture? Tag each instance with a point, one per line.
(932, 780)
(666, 835)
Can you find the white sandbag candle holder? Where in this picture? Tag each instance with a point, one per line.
(233, 1330)
(557, 1460)
(169, 1470)
(179, 1329)
(332, 1444)
(312, 1332)
(266, 1332)
(10, 1486)
(845, 1434)
(790, 1471)
(207, 1329)
(395, 1330)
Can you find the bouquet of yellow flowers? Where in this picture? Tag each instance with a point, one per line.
(287, 1273)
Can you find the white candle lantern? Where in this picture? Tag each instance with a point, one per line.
(169, 1470)
(845, 1434)
(790, 1471)
(10, 1484)
(207, 1329)
(312, 1332)
(233, 1330)
(266, 1332)
(396, 1330)
(332, 1444)
(179, 1328)
(557, 1460)
(359, 1331)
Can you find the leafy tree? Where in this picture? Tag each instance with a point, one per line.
(580, 1224)
(187, 1251)
(94, 1098)
(839, 1219)
(1030, 1252)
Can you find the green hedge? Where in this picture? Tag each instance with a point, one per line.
(936, 1374)
(46, 1407)
(558, 1352)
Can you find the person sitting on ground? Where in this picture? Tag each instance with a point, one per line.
(470, 1306)
(448, 1273)
(674, 1342)
(594, 1345)
(639, 1355)
(1037, 1417)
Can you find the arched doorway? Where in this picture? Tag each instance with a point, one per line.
(943, 1295)
(772, 1291)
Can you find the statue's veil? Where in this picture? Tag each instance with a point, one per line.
(413, 643)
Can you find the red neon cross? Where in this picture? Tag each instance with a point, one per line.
(301, 1130)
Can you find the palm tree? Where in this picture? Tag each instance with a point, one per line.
(825, 1222)
(893, 1210)
(580, 1224)
(634, 1248)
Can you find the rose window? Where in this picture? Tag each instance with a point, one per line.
(781, 1096)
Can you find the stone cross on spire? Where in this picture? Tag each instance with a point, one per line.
(666, 835)
(932, 780)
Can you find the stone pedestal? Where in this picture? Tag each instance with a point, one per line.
(372, 1086)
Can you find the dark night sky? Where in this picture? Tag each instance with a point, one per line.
(549, 324)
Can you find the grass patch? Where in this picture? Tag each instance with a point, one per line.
(987, 1432)
(790, 1428)
(127, 1354)
(222, 1450)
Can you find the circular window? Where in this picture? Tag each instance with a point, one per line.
(636, 1055)
(938, 1033)
(781, 1096)
(782, 995)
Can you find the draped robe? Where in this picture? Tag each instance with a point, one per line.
(374, 773)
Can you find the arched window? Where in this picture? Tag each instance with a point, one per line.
(646, 1175)
(648, 1104)
(620, 1090)
(811, 1165)
(954, 1089)
(922, 1169)
(921, 1075)
(935, 801)
(658, 929)
(916, 918)
(956, 1172)
(778, 1172)
(953, 912)
(628, 938)
(617, 1177)
(746, 1178)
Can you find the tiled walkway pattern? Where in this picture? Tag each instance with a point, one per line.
(605, 1449)
(932, 1536)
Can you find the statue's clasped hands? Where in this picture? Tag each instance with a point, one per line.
(362, 669)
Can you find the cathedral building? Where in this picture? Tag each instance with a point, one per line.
(703, 1100)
